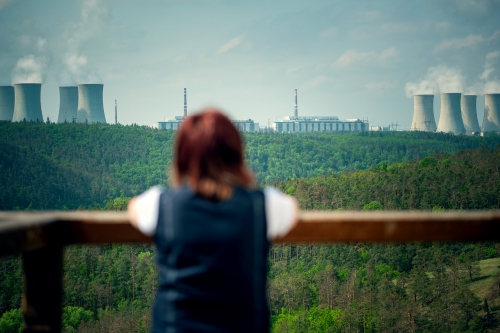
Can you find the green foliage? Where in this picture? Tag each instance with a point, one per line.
(12, 321)
(374, 205)
(73, 316)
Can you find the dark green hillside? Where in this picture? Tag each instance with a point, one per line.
(59, 166)
(469, 179)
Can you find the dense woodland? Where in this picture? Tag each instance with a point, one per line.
(411, 287)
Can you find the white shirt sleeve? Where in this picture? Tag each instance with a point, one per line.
(147, 208)
(281, 212)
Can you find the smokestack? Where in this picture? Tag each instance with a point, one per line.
(423, 113)
(68, 105)
(6, 102)
(491, 119)
(450, 117)
(90, 104)
(27, 102)
(469, 113)
(295, 108)
(185, 104)
(116, 113)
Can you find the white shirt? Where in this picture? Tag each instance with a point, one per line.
(281, 211)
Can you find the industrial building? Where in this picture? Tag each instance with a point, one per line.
(171, 123)
(469, 114)
(6, 102)
(491, 119)
(27, 102)
(300, 124)
(90, 104)
(68, 104)
(450, 117)
(423, 114)
(247, 125)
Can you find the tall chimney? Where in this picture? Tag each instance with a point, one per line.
(90, 104)
(423, 114)
(68, 104)
(27, 102)
(450, 117)
(295, 108)
(185, 104)
(116, 113)
(6, 102)
(491, 119)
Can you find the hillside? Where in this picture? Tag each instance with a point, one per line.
(66, 166)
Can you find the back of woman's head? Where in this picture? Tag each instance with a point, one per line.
(209, 156)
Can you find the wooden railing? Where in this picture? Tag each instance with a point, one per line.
(41, 237)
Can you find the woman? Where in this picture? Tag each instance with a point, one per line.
(212, 233)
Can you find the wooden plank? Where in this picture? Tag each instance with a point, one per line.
(313, 227)
(330, 227)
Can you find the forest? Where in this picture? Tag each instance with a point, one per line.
(412, 287)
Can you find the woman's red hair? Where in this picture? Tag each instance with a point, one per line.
(209, 155)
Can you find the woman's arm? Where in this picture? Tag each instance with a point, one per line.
(132, 212)
(282, 213)
(143, 211)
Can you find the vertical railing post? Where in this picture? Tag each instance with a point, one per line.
(42, 289)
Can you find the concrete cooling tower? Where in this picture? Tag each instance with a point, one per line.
(68, 104)
(450, 118)
(469, 114)
(491, 119)
(27, 102)
(90, 104)
(423, 113)
(6, 102)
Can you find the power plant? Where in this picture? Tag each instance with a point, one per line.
(423, 113)
(469, 114)
(491, 119)
(27, 102)
(450, 117)
(6, 102)
(68, 105)
(90, 104)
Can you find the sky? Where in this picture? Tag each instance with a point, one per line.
(351, 59)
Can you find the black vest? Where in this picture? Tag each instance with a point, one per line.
(212, 258)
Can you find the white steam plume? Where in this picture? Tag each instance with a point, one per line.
(77, 69)
(439, 79)
(488, 83)
(31, 68)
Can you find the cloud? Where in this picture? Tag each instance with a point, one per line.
(293, 69)
(314, 82)
(29, 69)
(488, 66)
(439, 79)
(78, 67)
(469, 41)
(352, 56)
(4, 3)
(330, 32)
(231, 44)
(381, 85)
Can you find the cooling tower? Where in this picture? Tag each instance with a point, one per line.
(491, 119)
(469, 114)
(450, 118)
(423, 113)
(68, 105)
(27, 102)
(6, 102)
(90, 104)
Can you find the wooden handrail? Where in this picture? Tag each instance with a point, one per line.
(25, 231)
(41, 237)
